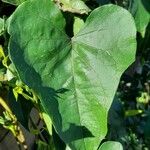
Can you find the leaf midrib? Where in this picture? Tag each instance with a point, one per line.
(75, 95)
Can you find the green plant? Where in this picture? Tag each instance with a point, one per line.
(66, 59)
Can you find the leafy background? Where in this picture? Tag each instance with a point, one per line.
(128, 120)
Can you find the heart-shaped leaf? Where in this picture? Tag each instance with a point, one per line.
(76, 78)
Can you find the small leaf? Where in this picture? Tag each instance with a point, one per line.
(129, 113)
(78, 23)
(9, 73)
(110, 145)
(16, 91)
(2, 120)
(144, 98)
(48, 122)
(2, 55)
(3, 75)
(74, 6)
(1, 26)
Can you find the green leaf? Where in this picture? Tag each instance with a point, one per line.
(16, 91)
(1, 26)
(76, 78)
(2, 55)
(20, 108)
(78, 23)
(14, 2)
(43, 146)
(110, 145)
(48, 122)
(141, 12)
(74, 6)
(144, 98)
(133, 112)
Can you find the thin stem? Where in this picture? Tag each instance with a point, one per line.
(6, 107)
(17, 132)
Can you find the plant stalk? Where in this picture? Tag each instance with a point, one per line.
(15, 128)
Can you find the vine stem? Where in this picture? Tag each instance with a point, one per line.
(5, 106)
(17, 132)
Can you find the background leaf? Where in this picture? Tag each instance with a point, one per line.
(43, 146)
(20, 108)
(110, 145)
(76, 78)
(75, 6)
(1, 25)
(78, 23)
(141, 12)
